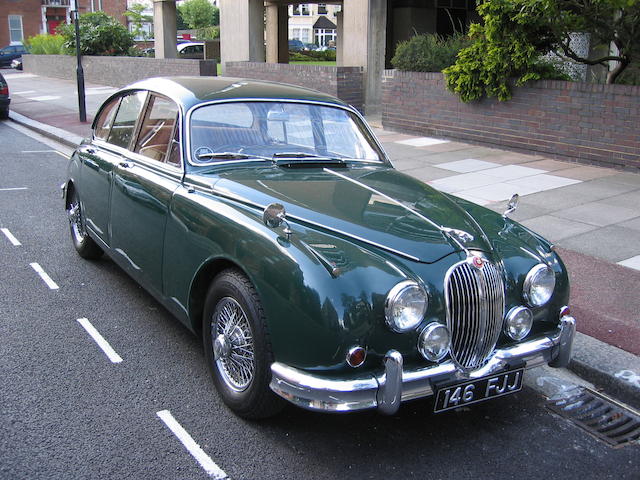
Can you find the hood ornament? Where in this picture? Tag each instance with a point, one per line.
(512, 205)
(461, 235)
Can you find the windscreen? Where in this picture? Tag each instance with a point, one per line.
(276, 129)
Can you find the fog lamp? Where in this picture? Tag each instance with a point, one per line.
(434, 342)
(356, 356)
(518, 323)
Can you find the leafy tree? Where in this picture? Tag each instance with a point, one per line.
(45, 44)
(199, 14)
(136, 15)
(515, 33)
(100, 34)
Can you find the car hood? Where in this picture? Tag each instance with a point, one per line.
(377, 205)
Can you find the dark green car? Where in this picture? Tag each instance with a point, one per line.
(268, 219)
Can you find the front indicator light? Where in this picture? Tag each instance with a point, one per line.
(434, 342)
(518, 323)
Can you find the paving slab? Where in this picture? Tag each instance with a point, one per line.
(555, 229)
(600, 214)
(612, 243)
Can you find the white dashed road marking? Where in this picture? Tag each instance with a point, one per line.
(14, 241)
(189, 443)
(99, 339)
(43, 275)
(12, 189)
(44, 98)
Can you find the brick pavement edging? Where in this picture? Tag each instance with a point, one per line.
(589, 123)
(115, 71)
(342, 82)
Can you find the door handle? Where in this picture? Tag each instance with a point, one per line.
(90, 151)
(125, 164)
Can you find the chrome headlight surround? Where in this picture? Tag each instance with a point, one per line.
(539, 285)
(518, 323)
(405, 306)
(434, 342)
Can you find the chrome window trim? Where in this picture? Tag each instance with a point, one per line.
(371, 136)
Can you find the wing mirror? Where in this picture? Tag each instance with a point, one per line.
(512, 205)
(274, 215)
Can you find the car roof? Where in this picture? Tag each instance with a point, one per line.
(190, 91)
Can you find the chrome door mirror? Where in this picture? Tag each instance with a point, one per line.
(274, 215)
(512, 205)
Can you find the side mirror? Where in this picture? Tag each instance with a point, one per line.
(512, 205)
(274, 215)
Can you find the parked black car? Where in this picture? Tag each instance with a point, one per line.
(8, 53)
(4, 98)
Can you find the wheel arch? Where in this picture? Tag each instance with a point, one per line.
(201, 283)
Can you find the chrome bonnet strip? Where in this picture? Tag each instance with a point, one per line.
(440, 228)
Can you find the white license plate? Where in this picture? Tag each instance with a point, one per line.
(485, 388)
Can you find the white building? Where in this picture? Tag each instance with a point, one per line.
(313, 23)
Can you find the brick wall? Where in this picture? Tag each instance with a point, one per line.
(115, 71)
(342, 82)
(31, 18)
(588, 123)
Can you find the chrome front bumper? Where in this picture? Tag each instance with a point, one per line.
(395, 385)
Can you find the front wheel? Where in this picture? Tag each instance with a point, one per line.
(237, 347)
(83, 243)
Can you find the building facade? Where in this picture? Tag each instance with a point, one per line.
(314, 23)
(22, 19)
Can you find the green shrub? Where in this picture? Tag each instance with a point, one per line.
(312, 56)
(208, 33)
(100, 34)
(45, 44)
(429, 52)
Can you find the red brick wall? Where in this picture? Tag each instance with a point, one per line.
(584, 122)
(32, 14)
(342, 82)
(31, 18)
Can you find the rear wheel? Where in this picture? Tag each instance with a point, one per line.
(237, 346)
(83, 243)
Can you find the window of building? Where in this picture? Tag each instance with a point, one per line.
(15, 28)
(322, 9)
(303, 9)
(302, 34)
(325, 37)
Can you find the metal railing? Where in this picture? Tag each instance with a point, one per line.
(56, 3)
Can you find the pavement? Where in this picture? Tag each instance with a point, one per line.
(591, 214)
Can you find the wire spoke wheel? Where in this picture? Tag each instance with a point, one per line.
(233, 346)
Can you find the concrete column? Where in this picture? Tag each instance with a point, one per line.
(241, 31)
(364, 31)
(164, 28)
(277, 33)
(339, 38)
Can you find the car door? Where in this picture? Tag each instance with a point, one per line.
(141, 193)
(98, 159)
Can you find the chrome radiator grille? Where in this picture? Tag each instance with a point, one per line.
(475, 307)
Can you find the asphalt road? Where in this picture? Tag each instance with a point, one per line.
(68, 412)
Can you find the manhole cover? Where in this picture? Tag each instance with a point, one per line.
(606, 419)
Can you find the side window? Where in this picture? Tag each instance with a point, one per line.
(103, 123)
(174, 150)
(157, 128)
(125, 121)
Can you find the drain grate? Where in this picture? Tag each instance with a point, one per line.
(606, 419)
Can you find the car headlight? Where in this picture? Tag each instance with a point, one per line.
(434, 342)
(405, 306)
(518, 322)
(538, 285)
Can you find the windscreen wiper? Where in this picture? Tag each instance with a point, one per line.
(229, 156)
(303, 159)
